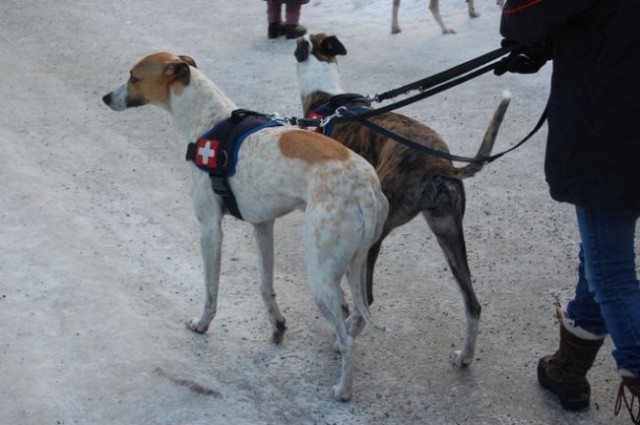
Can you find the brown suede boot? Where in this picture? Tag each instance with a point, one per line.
(629, 384)
(565, 372)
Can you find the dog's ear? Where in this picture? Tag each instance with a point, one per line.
(180, 71)
(332, 46)
(189, 60)
(302, 50)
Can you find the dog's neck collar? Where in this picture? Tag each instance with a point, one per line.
(328, 105)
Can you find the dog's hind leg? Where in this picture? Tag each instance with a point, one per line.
(329, 244)
(445, 220)
(328, 295)
(374, 252)
(264, 237)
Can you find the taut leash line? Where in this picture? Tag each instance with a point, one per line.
(442, 154)
(427, 93)
(446, 75)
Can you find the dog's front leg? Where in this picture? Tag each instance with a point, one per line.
(211, 245)
(264, 237)
(209, 211)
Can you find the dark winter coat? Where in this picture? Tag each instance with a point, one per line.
(593, 147)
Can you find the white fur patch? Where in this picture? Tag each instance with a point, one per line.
(315, 75)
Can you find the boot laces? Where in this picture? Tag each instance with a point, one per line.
(633, 406)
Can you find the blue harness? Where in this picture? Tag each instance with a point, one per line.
(216, 152)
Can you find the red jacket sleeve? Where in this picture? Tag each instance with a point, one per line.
(532, 21)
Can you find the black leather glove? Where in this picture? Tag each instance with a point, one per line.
(524, 60)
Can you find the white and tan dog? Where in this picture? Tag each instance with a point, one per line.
(279, 169)
(434, 7)
(414, 183)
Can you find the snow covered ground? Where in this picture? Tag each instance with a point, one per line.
(99, 255)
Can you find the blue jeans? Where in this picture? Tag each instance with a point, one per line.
(607, 299)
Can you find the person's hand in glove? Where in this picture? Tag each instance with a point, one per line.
(523, 60)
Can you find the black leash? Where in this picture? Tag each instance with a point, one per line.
(429, 86)
(442, 154)
(446, 75)
(446, 80)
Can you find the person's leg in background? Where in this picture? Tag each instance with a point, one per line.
(292, 17)
(274, 18)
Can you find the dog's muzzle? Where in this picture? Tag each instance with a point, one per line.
(119, 99)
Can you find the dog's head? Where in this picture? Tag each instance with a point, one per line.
(318, 69)
(152, 81)
(322, 47)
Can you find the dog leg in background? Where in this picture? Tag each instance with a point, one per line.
(434, 7)
(472, 9)
(264, 237)
(356, 276)
(372, 258)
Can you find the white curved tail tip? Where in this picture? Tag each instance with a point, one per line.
(506, 95)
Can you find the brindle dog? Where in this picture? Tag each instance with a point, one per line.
(413, 182)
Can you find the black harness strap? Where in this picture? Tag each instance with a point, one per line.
(216, 151)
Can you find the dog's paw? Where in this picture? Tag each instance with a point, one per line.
(336, 347)
(340, 394)
(280, 329)
(196, 326)
(459, 360)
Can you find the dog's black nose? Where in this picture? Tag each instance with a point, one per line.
(107, 99)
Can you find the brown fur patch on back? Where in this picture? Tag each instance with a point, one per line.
(311, 147)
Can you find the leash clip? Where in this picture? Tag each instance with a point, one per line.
(372, 98)
(276, 116)
(342, 111)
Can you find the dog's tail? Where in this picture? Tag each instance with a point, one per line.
(373, 219)
(487, 143)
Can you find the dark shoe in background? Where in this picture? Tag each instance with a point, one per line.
(276, 30)
(294, 30)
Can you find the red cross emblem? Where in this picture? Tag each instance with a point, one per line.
(207, 153)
